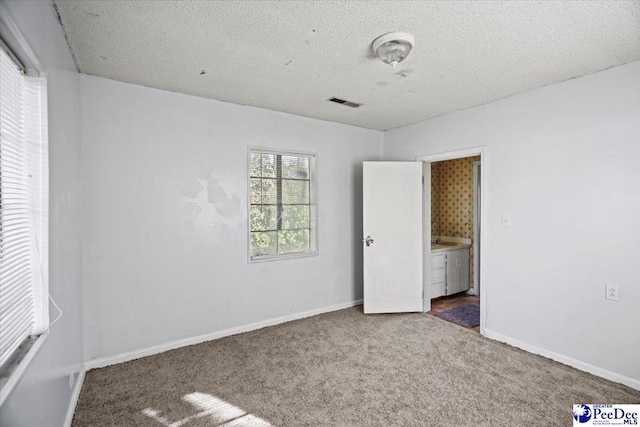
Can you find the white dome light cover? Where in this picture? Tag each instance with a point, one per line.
(393, 48)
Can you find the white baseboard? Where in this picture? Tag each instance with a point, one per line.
(149, 351)
(582, 366)
(74, 397)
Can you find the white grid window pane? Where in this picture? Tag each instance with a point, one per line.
(281, 204)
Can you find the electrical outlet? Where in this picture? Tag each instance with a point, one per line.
(611, 292)
(506, 220)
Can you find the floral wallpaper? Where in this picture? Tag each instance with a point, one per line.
(452, 199)
(435, 199)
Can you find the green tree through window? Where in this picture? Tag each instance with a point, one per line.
(282, 208)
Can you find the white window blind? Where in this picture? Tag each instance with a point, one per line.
(282, 217)
(19, 259)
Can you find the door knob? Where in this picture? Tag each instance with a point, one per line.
(368, 241)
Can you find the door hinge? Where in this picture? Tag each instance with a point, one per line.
(423, 179)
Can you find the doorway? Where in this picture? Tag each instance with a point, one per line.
(398, 263)
(453, 237)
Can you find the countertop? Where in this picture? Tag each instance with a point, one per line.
(448, 246)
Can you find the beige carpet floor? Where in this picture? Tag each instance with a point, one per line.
(344, 369)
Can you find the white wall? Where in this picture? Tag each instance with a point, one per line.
(44, 394)
(564, 162)
(165, 216)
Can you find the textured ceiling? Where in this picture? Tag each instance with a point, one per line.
(292, 55)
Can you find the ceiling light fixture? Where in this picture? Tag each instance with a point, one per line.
(393, 48)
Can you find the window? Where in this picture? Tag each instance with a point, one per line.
(282, 205)
(23, 211)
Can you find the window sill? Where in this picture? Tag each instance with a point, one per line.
(16, 366)
(282, 257)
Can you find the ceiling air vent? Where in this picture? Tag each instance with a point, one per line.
(345, 103)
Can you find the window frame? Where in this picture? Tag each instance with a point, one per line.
(19, 51)
(313, 204)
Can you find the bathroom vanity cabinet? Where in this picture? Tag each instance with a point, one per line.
(449, 272)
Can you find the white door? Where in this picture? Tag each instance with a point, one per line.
(392, 239)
